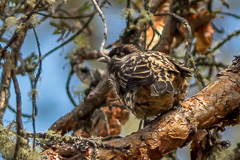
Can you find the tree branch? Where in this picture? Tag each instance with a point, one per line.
(217, 105)
(105, 29)
(19, 110)
(70, 39)
(91, 102)
(226, 39)
(75, 17)
(4, 90)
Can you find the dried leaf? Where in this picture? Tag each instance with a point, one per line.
(202, 29)
(115, 116)
(204, 37)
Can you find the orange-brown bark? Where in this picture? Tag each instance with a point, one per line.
(217, 105)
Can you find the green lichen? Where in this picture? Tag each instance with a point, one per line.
(51, 136)
(51, 2)
(31, 2)
(33, 91)
(146, 17)
(221, 151)
(10, 22)
(222, 154)
(8, 144)
(34, 20)
(99, 140)
(128, 12)
(19, 29)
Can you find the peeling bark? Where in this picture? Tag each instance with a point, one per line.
(214, 106)
(217, 105)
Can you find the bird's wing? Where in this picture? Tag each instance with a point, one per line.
(134, 72)
(148, 69)
(180, 66)
(164, 71)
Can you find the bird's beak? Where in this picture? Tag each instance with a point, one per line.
(103, 60)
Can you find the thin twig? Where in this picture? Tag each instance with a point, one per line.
(149, 44)
(145, 37)
(19, 111)
(69, 39)
(128, 16)
(155, 46)
(35, 81)
(68, 88)
(209, 6)
(217, 29)
(154, 28)
(189, 33)
(14, 111)
(228, 14)
(146, 7)
(106, 121)
(38, 135)
(154, 33)
(13, 11)
(105, 29)
(140, 125)
(212, 64)
(69, 17)
(226, 39)
(75, 17)
(15, 36)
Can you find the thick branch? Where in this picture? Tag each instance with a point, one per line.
(169, 30)
(91, 102)
(217, 105)
(4, 91)
(214, 106)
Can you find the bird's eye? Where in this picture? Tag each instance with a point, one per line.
(120, 55)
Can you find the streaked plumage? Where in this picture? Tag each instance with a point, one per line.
(148, 83)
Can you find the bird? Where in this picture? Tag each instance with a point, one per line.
(148, 83)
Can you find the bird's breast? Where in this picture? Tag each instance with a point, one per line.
(149, 106)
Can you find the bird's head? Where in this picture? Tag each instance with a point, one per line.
(121, 51)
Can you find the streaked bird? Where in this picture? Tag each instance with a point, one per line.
(148, 83)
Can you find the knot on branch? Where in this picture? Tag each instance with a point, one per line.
(234, 68)
(235, 65)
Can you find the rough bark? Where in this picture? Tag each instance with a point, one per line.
(217, 105)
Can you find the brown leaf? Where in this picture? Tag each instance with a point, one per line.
(204, 37)
(115, 116)
(202, 29)
(158, 22)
